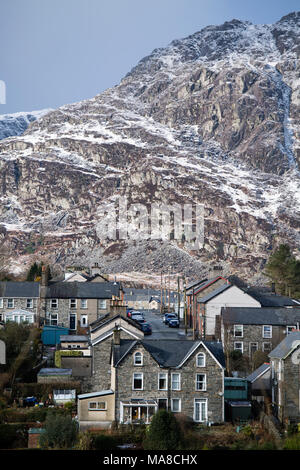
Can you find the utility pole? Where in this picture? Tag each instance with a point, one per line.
(178, 297)
(169, 290)
(185, 312)
(161, 294)
(193, 314)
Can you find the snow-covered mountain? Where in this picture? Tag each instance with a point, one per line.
(17, 123)
(211, 119)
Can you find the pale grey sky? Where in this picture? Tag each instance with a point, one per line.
(55, 52)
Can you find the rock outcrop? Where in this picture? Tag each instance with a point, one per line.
(212, 120)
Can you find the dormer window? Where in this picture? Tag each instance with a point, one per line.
(138, 359)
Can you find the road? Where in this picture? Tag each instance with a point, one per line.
(159, 329)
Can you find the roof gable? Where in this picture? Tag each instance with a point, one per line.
(174, 353)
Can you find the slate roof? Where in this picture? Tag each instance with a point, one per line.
(26, 289)
(214, 293)
(54, 371)
(105, 319)
(82, 290)
(202, 284)
(258, 372)
(75, 338)
(95, 394)
(285, 346)
(169, 353)
(261, 315)
(134, 294)
(269, 299)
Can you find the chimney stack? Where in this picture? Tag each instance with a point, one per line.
(45, 276)
(117, 336)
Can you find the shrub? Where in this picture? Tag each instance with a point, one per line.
(12, 436)
(105, 442)
(163, 433)
(292, 443)
(60, 432)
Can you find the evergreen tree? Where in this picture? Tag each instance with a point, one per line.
(60, 432)
(284, 270)
(164, 432)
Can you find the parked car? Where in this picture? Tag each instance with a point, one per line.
(146, 328)
(173, 323)
(168, 317)
(128, 312)
(137, 318)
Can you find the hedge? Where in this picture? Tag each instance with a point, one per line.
(58, 354)
(42, 390)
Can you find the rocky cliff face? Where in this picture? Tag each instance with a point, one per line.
(212, 119)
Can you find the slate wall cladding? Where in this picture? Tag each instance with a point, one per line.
(187, 392)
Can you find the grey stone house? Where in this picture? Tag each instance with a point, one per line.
(285, 379)
(182, 376)
(73, 305)
(101, 335)
(19, 301)
(145, 375)
(77, 304)
(257, 329)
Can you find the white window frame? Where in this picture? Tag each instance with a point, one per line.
(139, 354)
(97, 407)
(73, 303)
(54, 303)
(84, 321)
(238, 349)
(141, 378)
(67, 394)
(52, 318)
(268, 349)
(253, 342)
(1, 303)
(8, 303)
(290, 328)
(179, 405)
(166, 380)
(202, 419)
(235, 328)
(175, 382)
(102, 304)
(29, 303)
(83, 304)
(263, 331)
(203, 355)
(201, 383)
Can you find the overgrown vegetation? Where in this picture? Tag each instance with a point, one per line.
(164, 432)
(60, 432)
(23, 350)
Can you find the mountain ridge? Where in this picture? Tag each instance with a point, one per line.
(221, 131)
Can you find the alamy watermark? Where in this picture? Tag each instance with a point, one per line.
(155, 221)
(2, 92)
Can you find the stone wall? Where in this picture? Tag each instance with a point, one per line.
(254, 334)
(187, 393)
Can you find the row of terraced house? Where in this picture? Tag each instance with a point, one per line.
(127, 378)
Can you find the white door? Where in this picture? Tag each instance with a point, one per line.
(200, 410)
